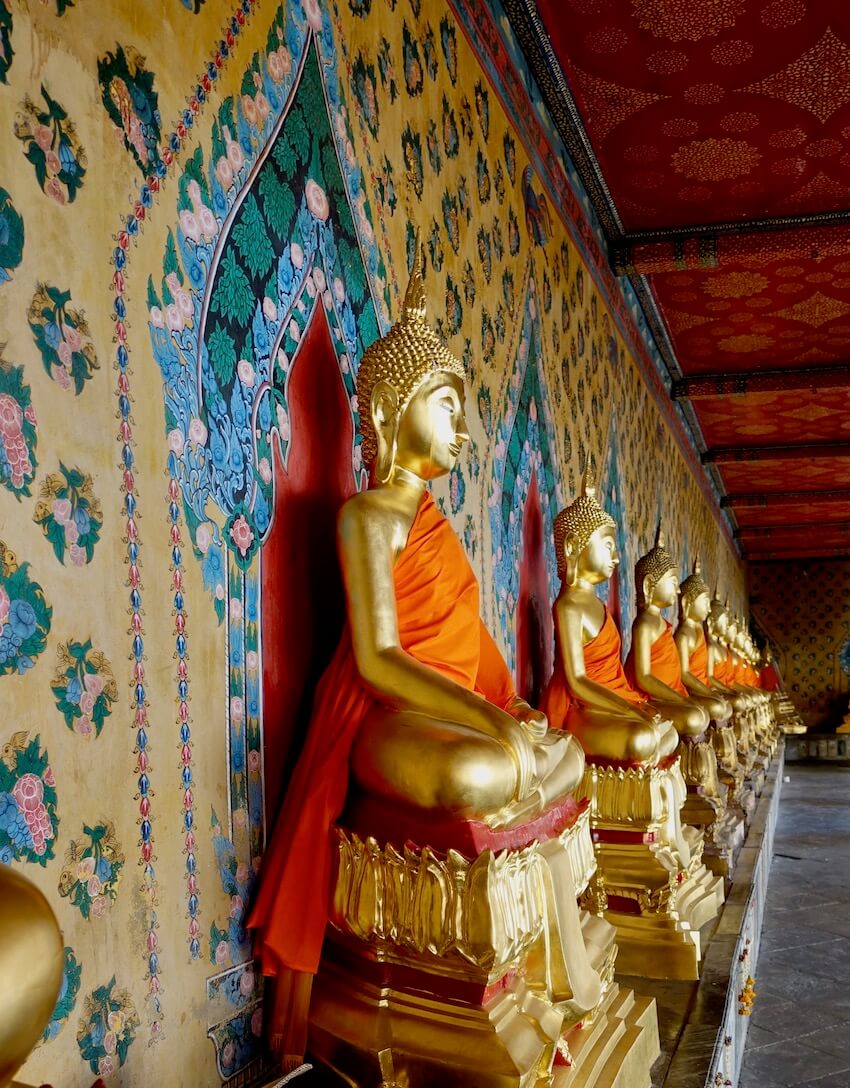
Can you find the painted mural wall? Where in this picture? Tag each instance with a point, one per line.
(199, 203)
(803, 607)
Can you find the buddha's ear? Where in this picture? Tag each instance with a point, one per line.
(571, 554)
(647, 587)
(383, 410)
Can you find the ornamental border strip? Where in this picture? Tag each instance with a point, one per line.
(139, 704)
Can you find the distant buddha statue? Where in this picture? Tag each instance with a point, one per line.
(693, 647)
(417, 710)
(589, 693)
(653, 662)
(695, 604)
(633, 777)
(654, 667)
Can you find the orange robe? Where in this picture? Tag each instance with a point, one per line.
(602, 664)
(724, 672)
(663, 662)
(437, 604)
(698, 660)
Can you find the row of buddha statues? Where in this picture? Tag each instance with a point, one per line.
(455, 875)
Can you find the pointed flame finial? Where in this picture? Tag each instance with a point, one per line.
(414, 306)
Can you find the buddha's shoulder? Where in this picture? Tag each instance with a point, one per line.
(372, 508)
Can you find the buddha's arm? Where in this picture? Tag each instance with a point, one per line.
(642, 655)
(368, 544)
(590, 694)
(695, 686)
(495, 682)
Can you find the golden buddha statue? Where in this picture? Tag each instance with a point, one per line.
(722, 629)
(695, 604)
(31, 964)
(651, 881)
(653, 662)
(589, 693)
(418, 736)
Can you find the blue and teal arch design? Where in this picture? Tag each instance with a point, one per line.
(525, 446)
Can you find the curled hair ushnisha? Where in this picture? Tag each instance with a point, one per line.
(579, 520)
(652, 567)
(408, 354)
(694, 586)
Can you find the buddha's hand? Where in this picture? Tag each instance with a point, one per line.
(535, 721)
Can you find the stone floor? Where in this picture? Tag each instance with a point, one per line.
(799, 1033)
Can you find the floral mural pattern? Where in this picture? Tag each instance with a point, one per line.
(28, 819)
(18, 436)
(292, 239)
(62, 337)
(6, 50)
(107, 1028)
(132, 103)
(69, 515)
(83, 687)
(51, 145)
(67, 999)
(92, 870)
(11, 237)
(25, 615)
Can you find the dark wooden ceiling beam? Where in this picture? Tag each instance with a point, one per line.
(737, 384)
(762, 531)
(785, 498)
(724, 454)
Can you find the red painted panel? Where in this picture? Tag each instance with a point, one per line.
(816, 514)
(535, 630)
(302, 595)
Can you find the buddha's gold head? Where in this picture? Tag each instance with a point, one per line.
(394, 370)
(581, 525)
(696, 596)
(656, 576)
(718, 619)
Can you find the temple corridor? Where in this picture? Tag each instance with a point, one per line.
(798, 1034)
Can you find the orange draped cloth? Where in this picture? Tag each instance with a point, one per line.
(724, 672)
(663, 662)
(602, 664)
(437, 604)
(698, 660)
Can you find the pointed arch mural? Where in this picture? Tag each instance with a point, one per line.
(525, 462)
(619, 593)
(265, 305)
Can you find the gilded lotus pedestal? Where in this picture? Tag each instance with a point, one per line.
(657, 900)
(710, 803)
(436, 970)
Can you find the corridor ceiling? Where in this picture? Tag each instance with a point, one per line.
(713, 137)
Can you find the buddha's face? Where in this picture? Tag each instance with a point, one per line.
(666, 589)
(432, 429)
(598, 559)
(699, 607)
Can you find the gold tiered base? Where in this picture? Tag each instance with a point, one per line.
(657, 903)
(437, 970)
(709, 804)
(616, 1049)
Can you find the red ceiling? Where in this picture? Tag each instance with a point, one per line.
(703, 112)
(777, 419)
(815, 514)
(711, 110)
(780, 313)
(825, 474)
